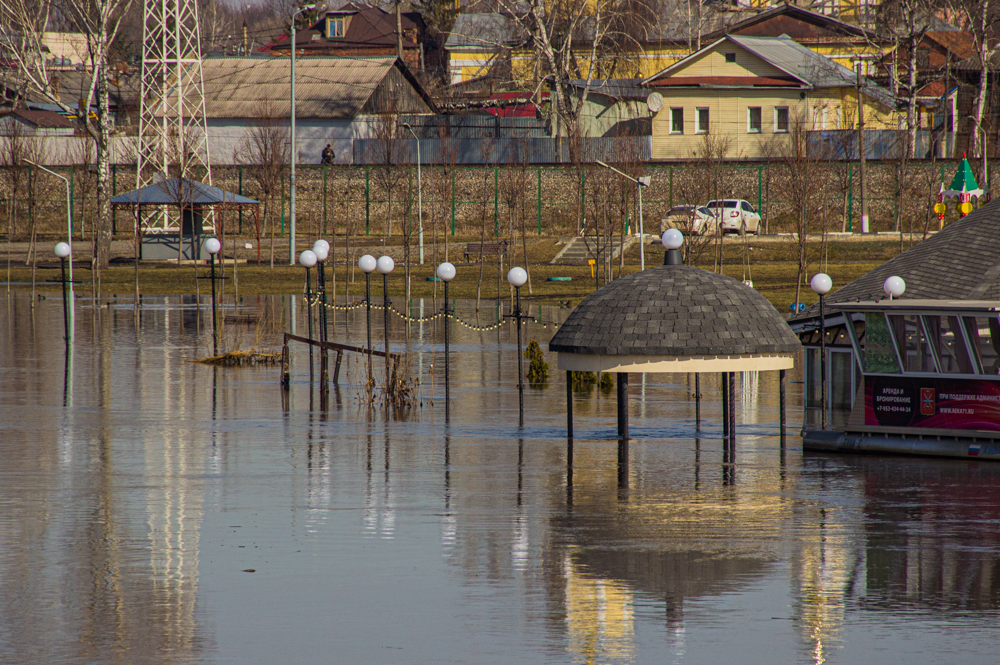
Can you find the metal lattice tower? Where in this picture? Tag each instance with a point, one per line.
(172, 125)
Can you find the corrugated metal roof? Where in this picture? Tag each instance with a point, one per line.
(616, 88)
(331, 88)
(180, 190)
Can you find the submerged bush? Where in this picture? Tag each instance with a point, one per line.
(538, 369)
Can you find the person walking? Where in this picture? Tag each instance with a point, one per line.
(327, 155)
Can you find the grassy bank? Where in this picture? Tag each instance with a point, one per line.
(771, 265)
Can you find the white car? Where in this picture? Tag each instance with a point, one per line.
(737, 215)
(696, 220)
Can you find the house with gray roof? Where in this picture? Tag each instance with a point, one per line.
(756, 91)
(338, 100)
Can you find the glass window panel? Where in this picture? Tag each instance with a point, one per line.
(880, 356)
(913, 347)
(946, 337)
(676, 121)
(813, 396)
(753, 119)
(840, 380)
(984, 336)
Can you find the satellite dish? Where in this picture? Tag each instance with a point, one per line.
(655, 102)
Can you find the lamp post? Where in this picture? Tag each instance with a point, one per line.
(821, 284)
(982, 146)
(642, 181)
(321, 249)
(291, 171)
(69, 243)
(368, 264)
(384, 265)
(62, 251)
(446, 272)
(213, 246)
(308, 259)
(894, 287)
(420, 204)
(517, 277)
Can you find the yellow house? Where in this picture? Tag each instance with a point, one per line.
(748, 93)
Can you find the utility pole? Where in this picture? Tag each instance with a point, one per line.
(399, 29)
(861, 151)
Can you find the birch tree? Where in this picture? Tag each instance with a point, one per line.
(981, 18)
(24, 22)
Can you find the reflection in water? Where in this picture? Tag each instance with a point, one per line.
(137, 486)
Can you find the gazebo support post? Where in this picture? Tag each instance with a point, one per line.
(569, 405)
(781, 406)
(724, 383)
(697, 401)
(732, 406)
(622, 381)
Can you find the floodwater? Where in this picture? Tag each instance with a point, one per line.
(155, 510)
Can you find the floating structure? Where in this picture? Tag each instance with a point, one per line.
(672, 318)
(917, 374)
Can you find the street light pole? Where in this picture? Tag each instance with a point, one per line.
(420, 202)
(821, 285)
(69, 242)
(291, 173)
(642, 181)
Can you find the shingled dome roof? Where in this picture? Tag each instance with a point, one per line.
(674, 318)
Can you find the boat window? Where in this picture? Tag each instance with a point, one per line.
(946, 336)
(840, 380)
(913, 347)
(984, 336)
(880, 356)
(813, 374)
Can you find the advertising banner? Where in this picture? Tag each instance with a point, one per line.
(969, 404)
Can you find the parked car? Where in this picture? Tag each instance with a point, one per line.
(737, 215)
(695, 220)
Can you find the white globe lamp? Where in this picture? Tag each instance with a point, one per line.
(385, 264)
(821, 283)
(307, 259)
(62, 250)
(367, 263)
(894, 287)
(446, 272)
(517, 277)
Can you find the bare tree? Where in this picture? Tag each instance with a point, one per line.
(13, 150)
(264, 150)
(23, 22)
(390, 146)
(981, 18)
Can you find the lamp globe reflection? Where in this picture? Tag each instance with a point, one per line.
(385, 264)
(446, 272)
(672, 239)
(307, 259)
(62, 250)
(517, 277)
(821, 283)
(894, 287)
(321, 249)
(367, 263)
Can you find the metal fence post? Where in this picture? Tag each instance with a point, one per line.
(539, 200)
(114, 192)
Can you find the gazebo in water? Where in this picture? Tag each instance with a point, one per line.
(673, 318)
(190, 201)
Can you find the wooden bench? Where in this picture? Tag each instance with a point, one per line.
(474, 250)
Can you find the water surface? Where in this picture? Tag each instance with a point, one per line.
(138, 490)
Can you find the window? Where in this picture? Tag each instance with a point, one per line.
(702, 122)
(676, 121)
(336, 28)
(746, 206)
(753, 120)
(780, 119)
(730, 57)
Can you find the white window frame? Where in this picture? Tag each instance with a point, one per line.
(788, 118)
(672, 130)
(760, 127)
(698, 129)
(343, 28)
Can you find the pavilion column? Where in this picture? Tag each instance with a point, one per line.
(569, 405)
(724, 388)
(732, 408)
(622, 381)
